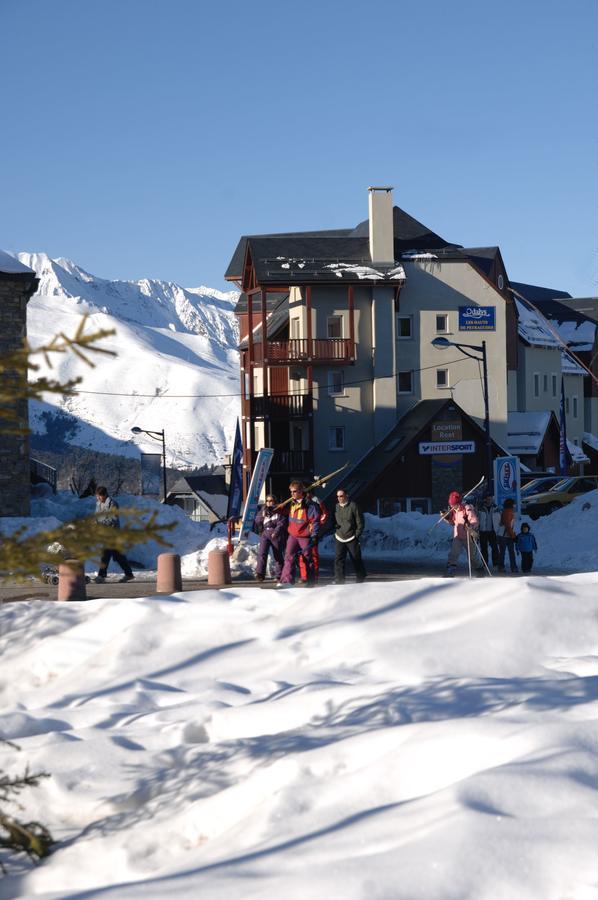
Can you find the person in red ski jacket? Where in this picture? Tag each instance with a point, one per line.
(464, 519)
(315, 555)
(302, 529)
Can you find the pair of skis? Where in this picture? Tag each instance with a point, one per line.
(446, 514)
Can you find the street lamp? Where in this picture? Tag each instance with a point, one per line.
(157, 436)
(442, 343)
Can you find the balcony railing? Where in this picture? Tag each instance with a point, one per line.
(322, 351)
(42, 472)
(292, 462)
(282, 406)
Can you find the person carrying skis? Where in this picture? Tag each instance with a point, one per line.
(462, 516)
(271, 525)
(489, 518)
(526, 545)
(302, 529)
(507, 536)
(315, 555)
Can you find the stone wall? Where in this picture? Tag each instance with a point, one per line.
(15, 291)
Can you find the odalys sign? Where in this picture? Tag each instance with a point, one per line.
(477, 318)
(507, 480)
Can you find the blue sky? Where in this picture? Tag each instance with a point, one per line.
(142, 137)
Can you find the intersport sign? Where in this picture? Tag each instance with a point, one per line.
(432, 448)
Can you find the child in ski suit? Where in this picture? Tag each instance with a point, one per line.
(303, 527)
(526, 545)
(271, 525)
(315, 555)
(463, 517)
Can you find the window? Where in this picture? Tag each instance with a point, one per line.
(501, 282)
(536, 385)
(334, 327)
(336, 384)
(405, 382)
(404, 328)
(554, 383)
(442, 323)
(295, 327)
(574, 407)
(442, 378)
(545, 383)
(336, 437)
(567, 405)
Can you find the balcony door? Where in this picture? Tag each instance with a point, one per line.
(334, 327)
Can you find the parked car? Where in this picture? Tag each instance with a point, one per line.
(562, 493)
(540, 485)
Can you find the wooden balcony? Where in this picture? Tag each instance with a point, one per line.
(282, 406)
(310, 351)
(292, 462)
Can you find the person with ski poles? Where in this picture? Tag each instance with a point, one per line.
(271, 525)
(463, 517)
(303, 527)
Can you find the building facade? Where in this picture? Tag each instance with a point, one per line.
(339, 349)
(17, 284)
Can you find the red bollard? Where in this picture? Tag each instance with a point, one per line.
(71, 580)
(169, 579)
(218, 567)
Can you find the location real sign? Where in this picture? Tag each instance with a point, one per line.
(477, 318)
(430, 448)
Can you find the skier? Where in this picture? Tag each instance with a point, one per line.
(489, 517)
(507, 536)
(107, 515)
(526, 545)
(271, 525)
(315, 555)
(303, 527)
(462, 516)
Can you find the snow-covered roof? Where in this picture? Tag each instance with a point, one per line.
(577, 454)
(526, 430)
(591, 440)
(11, 266)
(535, 330)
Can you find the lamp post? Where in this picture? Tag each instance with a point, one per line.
(157, 436)
(442, 344)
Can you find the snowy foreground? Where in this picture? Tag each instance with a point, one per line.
(417, 739)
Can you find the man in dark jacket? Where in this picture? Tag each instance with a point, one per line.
(348, 528)
(107, 515)
(271, 525)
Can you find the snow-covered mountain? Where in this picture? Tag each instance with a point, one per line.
(176, 367)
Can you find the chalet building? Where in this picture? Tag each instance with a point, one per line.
(338, 364)
(17, 284)
(203, 497)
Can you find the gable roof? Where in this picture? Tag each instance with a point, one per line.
(210, 489)
(526, 431)
(317, 255)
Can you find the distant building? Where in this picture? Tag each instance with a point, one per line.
(203, 497)
(338, 365)
(17, 284)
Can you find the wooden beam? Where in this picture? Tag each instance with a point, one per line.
(351, 317)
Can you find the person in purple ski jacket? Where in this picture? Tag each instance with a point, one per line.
(271, 525)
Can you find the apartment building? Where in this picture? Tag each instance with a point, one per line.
(340, 360)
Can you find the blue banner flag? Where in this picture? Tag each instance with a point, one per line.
(235, 491)
(565, 458)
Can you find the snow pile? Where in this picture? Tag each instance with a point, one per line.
(412, 740)
(176, 367)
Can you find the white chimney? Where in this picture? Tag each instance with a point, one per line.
(381, 225)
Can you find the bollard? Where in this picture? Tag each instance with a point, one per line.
(218, 567)
(71, 580)
(169, 578)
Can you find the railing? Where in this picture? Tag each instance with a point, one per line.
(292, 462)
(308, 350)
(282, 406)
(42, 472)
